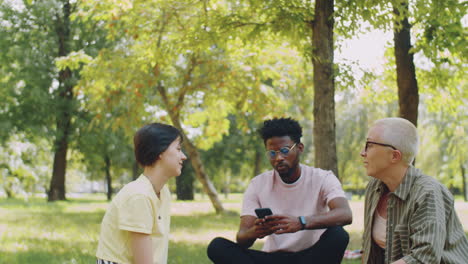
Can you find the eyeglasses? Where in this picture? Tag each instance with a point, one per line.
(377, 143)
(284, 151)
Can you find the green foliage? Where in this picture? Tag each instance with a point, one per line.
(29, 45)
(349, 14)
(352, 125)
(438, 34)
(232, 160)
(37, 88)
(256, 20)
(439, 30)
(24, 166)
(73, 61)
(445, 87)
(26, 64)
(444, 147)
(96, 143)
(180, 51)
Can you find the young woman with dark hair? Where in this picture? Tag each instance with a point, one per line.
(135, 228)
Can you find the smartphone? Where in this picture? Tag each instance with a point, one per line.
(262, 212)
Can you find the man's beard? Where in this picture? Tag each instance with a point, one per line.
(285, 176)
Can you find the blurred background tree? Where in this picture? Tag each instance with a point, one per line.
(40, 98)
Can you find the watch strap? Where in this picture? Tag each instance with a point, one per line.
(303, 222)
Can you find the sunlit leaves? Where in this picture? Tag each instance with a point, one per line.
(73, 60)
(179, 47)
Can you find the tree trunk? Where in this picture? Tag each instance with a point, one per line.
(208, 186)
(8, 188)
(57, 183)
(408, 97)
(226, 189)
(324, 86)
(108, 177)
(465, 194)
(64, 102)
(257, 162)
(9, 193)
(197, 164)
(184, 183)
(193, 153)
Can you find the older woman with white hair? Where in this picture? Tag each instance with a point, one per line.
(409, 217)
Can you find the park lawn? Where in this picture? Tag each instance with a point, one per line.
(67, 232)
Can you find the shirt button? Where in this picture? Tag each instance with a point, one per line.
(159, 217)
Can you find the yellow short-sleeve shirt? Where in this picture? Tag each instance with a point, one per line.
(136, 208)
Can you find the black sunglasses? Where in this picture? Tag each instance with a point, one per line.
(377, 143)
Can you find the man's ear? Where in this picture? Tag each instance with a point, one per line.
(300, 146)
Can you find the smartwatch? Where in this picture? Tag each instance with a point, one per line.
(303, 222)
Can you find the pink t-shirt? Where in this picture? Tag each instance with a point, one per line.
(309, 195)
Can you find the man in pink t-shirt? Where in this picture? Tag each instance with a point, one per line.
(308, 204)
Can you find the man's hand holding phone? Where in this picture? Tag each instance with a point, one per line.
(263, 227)
(278, 224)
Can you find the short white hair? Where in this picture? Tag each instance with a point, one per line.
(401, 134)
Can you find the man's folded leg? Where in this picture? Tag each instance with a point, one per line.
(329, 249)
(223, 251)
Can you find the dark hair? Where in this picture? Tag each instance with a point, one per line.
(280, 127)
(152, 140)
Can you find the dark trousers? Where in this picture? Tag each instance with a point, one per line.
(328, 250)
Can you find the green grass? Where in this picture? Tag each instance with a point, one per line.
(41, 232)
(67, 232)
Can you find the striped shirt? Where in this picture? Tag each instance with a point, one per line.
(422, 225)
